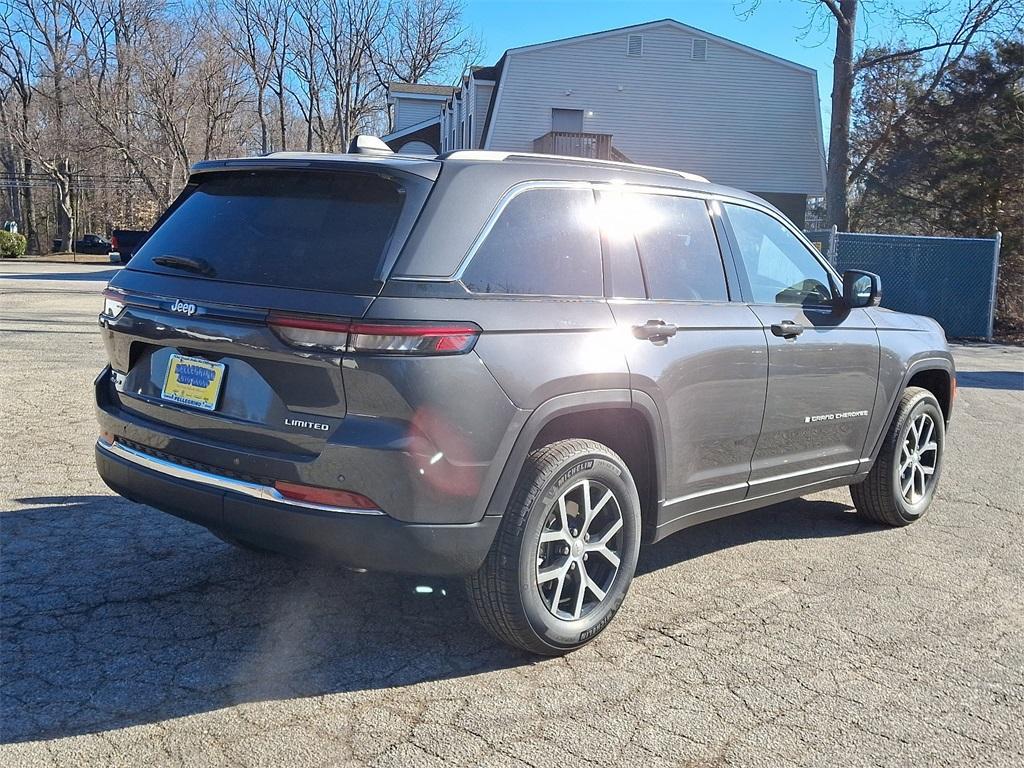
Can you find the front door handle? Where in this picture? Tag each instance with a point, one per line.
(655, 331)
(787, 329)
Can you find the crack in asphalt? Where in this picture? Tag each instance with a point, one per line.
(795, 635)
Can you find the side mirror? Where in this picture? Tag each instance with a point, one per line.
(861, 289)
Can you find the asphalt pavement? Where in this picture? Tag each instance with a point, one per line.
(794, 635)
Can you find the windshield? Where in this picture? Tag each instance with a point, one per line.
(323, 230)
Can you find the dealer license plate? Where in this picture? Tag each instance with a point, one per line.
(193, 381)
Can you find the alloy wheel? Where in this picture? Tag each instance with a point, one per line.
(580, 550)
(919, 458)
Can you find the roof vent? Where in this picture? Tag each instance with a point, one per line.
(635, 45)
(700, 49)
(364, 144)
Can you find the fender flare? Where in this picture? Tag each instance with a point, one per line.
(943, 364)
(561, 405)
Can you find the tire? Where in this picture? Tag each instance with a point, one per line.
(882, 496)
(514, 595)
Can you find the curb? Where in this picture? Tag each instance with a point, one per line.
(40, 260)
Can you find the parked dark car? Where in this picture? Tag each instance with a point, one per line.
(124, 243)
(507, 367)
(94, 244)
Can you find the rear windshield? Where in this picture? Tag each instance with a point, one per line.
(318, 230)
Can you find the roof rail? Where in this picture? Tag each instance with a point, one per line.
(489, 155)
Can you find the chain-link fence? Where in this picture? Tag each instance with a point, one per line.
(952, 279)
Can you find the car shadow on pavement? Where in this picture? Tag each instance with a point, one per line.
(1011, 380)
(113, 614)
(796, 519)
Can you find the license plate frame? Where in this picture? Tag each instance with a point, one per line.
(196, 386)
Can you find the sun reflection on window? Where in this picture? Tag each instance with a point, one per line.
(623, 215)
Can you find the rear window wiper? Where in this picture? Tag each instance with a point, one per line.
(200, 266)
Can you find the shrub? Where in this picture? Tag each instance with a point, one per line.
(12, 244)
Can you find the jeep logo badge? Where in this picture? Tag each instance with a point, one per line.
(184, 308)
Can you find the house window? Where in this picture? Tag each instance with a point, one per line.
(469, 133)
(700, 49)
(635, 45)
(462, 134)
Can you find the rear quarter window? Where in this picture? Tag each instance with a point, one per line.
(545, 243)
(679, 250)
(322, 230)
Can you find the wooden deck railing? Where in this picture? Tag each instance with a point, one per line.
(595, 145)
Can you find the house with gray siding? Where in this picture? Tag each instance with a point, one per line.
(661, 93)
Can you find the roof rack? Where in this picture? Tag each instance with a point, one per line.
(489, 155)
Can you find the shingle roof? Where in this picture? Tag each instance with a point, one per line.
(433, 90)
(484, 73)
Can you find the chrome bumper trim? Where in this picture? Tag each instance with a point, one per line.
(220, 482)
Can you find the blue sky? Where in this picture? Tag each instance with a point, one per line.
(776, 26)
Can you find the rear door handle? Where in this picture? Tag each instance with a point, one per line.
(655, 331)
(787, 329)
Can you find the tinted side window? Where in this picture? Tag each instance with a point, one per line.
(679, 249)
(625, 277)
(779, 267)
(545, 242)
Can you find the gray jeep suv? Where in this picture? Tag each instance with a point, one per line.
(507, 367)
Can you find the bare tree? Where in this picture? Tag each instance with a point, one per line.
(307, 67)
(223, 94)
(949, 42)
(943, 29)
(47, 26)
(115, 39)
(837, 206)
(106, 103)
(16, 65)
(424, 36)
(258, 36)
(352, 30)
(172, 96)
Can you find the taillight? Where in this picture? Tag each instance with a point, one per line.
(311, 332)
(113, 242)
(327, 496)
(374, 337)
(113, 303)
(430, 339)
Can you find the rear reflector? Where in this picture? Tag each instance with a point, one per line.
(373, 337)
(327, 496)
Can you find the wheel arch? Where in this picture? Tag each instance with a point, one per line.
(929, 373)
(628, 423)
(938, 381)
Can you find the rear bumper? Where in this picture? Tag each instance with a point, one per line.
(359, 540)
